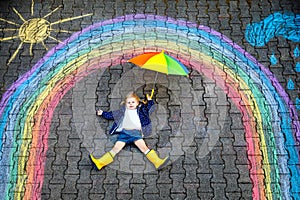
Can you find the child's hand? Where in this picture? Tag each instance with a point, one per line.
(149, 97)
(99, 112)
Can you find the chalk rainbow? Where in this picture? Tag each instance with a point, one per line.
(270, 120)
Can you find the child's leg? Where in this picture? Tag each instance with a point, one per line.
(117, 147)
(151, 154)
(142, 146)
(108, 157)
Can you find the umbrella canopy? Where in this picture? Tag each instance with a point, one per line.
(160, 62)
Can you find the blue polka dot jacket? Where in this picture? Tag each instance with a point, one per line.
(144, 110)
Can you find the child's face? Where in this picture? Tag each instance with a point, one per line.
(131, 103)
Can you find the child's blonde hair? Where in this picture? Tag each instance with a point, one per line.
(131, 95)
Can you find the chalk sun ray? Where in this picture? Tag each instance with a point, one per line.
(9, 22)
(53, 11)
(8, 38)
(9, 29)
(70, 19)
(15, 53)
(44, 45)
(53, 38)
(60, 31)
(20, 16)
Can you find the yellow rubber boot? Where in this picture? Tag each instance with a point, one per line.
(156, 161)
(106, 159)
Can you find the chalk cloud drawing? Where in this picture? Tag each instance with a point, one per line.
(275, 25)
(286, 25)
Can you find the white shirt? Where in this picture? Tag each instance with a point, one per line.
(131, 121)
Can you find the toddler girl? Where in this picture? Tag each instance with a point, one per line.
(132, 122)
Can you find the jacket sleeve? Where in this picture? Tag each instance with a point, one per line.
(150, 106)
(108, 115)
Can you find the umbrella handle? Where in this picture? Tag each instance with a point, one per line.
(152, 92)
(151, 95)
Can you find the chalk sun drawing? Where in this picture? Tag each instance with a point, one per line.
(27, 107)
(35, 30)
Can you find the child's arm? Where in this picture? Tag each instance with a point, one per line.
(105, 115)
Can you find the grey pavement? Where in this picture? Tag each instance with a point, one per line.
(197, 122)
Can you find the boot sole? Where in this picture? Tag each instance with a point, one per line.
(93, 164)
(164, 164)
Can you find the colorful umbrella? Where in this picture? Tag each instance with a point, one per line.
(160, 62)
